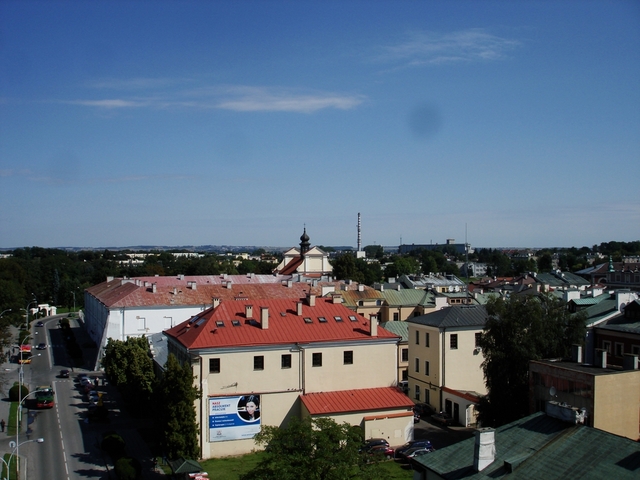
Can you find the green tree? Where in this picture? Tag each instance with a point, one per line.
(545, 262)
(314, 449)
(520, 329)
(344, 268)
(175, 398)
(129, 366)
(374, 251)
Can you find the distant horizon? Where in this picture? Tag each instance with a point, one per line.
(284, 248)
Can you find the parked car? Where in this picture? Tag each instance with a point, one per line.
(63, 374)
(400, 451)
(443, 418)
(381, 451)
(414, 452)
(373, 442)
(40, 324)
(423, 409)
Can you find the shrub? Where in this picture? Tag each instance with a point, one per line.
(128, 468)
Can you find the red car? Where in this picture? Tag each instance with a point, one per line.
(383, 451)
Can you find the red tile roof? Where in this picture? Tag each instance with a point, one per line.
(179, 291)
(292, 266)
(214, 328)
(366, 399)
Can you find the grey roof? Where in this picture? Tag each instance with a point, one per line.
(455, 316)
(399, 328)
(539, 446)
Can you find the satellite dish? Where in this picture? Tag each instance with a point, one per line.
(552, 391)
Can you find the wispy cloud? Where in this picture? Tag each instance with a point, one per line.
(240, 98)
(428, 48)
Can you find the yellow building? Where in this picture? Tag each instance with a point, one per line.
(265, 361)
(445, 360)
(608, 397)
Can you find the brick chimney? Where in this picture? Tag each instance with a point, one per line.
(215, 301)
(311, 299)
(264, 317)
(299, 309)
(248, 311)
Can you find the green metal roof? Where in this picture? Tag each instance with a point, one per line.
(408, 297)
(399, 328)
(539, 446)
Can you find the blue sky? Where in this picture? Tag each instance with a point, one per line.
(238, 123)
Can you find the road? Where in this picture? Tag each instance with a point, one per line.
(70, 451)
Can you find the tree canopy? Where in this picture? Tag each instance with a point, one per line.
(520, 329)
(176, 416)
(313, 449)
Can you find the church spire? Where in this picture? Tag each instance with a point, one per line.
(304, 242)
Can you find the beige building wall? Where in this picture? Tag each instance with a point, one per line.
(335, 375)
(463, 365)
(458, 369)
(617, 403)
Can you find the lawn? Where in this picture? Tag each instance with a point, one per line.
(230, 468)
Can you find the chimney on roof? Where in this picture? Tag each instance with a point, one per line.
(289, 283)
(337, 298)
(630, 362)
(484, 450)
(360, 287)
(154, 288)
(311, 299)
(215, 301)
(181, 277)
(299, 309)
(601, 358)
(248, 311)
(374, 325)
(228, 285)
(264, 317)
(576, 353)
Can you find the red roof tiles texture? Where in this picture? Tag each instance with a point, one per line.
(366, 399)
(214, 328)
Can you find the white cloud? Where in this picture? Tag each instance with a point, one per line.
(428, 48)
(240, 98)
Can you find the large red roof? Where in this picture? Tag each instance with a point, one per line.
(366, 399)
(199, 290)
(228, 326)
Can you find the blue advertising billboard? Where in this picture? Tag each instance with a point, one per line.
(234, 418)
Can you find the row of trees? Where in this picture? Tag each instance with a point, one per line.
(169, 398)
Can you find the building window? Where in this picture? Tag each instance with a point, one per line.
(478, 338)
(285, 362)
(606, 345)
(619, 349)
(635, 349)
(417, 392)
(417, 365)
(348, 357)
(453, 341)
(426, 368)
(426, 339)
(316, 360)
(396, 316)
(258, 362)
(417, 337)
(405, 375)
(427, 397)
(405, 354)
(214, 365)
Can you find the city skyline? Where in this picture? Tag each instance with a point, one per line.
(227, 123)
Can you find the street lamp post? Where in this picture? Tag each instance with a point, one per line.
(74, 301)
(4, 311)
(37, 440)
(18, 418)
